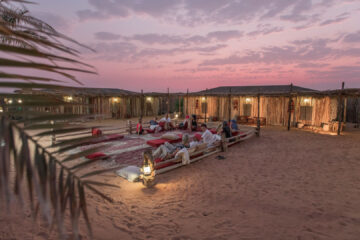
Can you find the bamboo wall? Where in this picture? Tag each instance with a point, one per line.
(273, 108)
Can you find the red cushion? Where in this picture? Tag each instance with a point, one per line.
(235, 133)
(113, 137)
(156, 142)
(158, 160)
(162, 124)
(213, 131)
(96, 132)
(148, 130)
(96, 155)
(198, 136)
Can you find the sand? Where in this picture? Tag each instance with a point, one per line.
(282, 185)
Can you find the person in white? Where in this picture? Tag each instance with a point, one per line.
(167, 120)
(208, 137)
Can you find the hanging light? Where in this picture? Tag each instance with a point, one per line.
(1, 110)
(247, 100)
(148, 99)
(306, 100)
(20, 101)
(10, 101)
(203, 98)
(69, 98)
(116, 100)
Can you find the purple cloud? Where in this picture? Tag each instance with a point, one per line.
(352, 37)
(338, 19)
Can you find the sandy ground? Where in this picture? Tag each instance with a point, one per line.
(282, 185)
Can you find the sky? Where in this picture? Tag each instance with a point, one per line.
(198, 44)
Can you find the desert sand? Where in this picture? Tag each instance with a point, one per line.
(281, 185)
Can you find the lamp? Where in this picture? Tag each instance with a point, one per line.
(116, 100)
(247, 100)
(306, 100)
(147, 169)
(1, 110)
(176, 115)
(148, 99)
(10, 101)
(19, 101)
(69, 98)
(203, 98)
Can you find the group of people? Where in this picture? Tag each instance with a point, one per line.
(164, 123)
(169, 150)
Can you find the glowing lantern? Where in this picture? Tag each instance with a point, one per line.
(10, 101)
(247, 100)
(147, 169)
(148, 99)
(116, 100)
(203, 98)
(306, 100)
(1, 110)
(19, 101)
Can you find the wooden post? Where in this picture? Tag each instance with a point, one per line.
(205, 104)
(179, 105)
(187, 102)
(168, 101)
(130, 126)
(142, 104)
(341, 109)
(229, 104)
(258, 119)
(289, 107)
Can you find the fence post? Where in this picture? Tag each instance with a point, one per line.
(290, 106)
(341, 108)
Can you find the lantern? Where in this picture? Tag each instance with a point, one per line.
(147, 169)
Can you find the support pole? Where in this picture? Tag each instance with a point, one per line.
(229, 104)
(179, 105)
(142, 104)
(258, 118)
(205, 104)
(168, 101)
(341, 109)
(290, 106)
(187, 102)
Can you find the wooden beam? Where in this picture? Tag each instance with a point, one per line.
(341, 108)
(168, 101)
(205, 104)
(229, 104)
(142, 104)
(258, 117)
(187, 102)
(290, 107)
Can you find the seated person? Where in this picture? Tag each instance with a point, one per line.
(193, 123)
(208, 137)
(154, 125)
(226, 130)
(168, 150)
(154, 122)
(168, 125)
(184, 125)
(139, 128)
(233, 125)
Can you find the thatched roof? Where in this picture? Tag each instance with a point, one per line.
(269, 89)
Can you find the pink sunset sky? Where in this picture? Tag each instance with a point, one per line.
(198, 44)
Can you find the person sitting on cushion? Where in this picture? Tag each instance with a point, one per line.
(167, 121)
(139, 128)
(168, 150)
(234, 126)
(193, 123)
(226, 130)
(184, 125)
(154, 125)
(208, 137)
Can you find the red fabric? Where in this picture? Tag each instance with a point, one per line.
(158, 160)
(95, 155)
(162, 124)
(213, 131)
(138, 127)
(148, 130)
(156, 142)
(198, 136)
(235, 133)
(96, 132)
